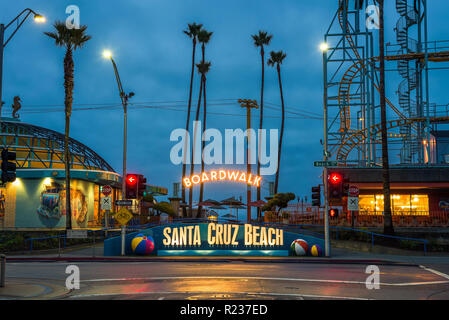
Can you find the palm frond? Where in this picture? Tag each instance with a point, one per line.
(204, 36)
(70, 38)
(203, 67)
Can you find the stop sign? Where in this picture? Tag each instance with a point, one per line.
(353, 191)
(106, 190)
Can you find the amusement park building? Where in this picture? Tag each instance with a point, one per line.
(36, 199)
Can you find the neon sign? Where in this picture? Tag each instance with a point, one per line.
(223, 235)
(222, 175)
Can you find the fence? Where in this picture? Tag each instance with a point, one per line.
(338, 232)
(437, 219)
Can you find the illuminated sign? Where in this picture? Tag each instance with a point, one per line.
(222, 175)
(223, 234)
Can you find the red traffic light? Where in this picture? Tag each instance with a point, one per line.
(131, 179)
(333, 213)
(335, 178)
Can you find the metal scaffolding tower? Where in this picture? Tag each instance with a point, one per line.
(351, 85)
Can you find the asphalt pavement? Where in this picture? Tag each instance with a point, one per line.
(224, 279)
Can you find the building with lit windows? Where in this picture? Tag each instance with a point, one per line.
(36, 200)
(419, 195)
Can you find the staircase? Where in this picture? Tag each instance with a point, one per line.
(408, 18)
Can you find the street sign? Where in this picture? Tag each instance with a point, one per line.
(106, 203)
(325, 164)
(123, 216)
(76, 234)
(353, 203)
(123, 203)
(106, 190)
(354, 191)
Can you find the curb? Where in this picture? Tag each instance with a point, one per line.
(223, 259)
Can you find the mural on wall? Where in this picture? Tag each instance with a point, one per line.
(49, 202)
(53, 207)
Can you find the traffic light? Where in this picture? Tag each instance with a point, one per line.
(316, 196)
(8, 168)
(333, 213)
(131, 186)
(141, 187)
(335, 186)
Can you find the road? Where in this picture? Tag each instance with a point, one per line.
(227, 280)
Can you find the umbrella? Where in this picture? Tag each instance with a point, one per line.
(231, 201)
(258, 203)
(206, 204)
(228, 216)
(212, 201)
(217, 208)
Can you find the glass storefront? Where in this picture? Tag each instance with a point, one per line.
(401, 204)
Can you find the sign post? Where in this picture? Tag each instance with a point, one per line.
(353, 202)
(106, 204)
(123, 216)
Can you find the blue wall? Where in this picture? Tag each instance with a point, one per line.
(112, 247)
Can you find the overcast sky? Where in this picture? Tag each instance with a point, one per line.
(153, 56)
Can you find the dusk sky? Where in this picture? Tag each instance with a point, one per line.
(153, 57)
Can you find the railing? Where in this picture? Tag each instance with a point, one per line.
(372, 219)
(314, 230)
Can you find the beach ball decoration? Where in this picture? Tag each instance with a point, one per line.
(142, 245)
(299, 247)
(316, 251)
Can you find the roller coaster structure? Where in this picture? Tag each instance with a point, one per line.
(351, 86)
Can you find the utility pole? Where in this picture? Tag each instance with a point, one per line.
(388, 221)
(248, 104)
(324, 48)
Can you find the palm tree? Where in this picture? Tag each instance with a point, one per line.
(388, 221)
(204, 38)
(276, 58)
(192, 32)
(260, 40)
(203, 69)
(70, 39)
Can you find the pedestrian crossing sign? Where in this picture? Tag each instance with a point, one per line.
(123, 216)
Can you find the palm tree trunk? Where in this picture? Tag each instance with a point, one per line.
(202, 141)
(203, 83)
(192, 165)
(282, 131)
(68, 86)
(388, 221)
(187, 127)
(260, 126)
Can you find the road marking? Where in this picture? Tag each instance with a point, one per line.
(267, 278)
(202, 292)
(441, 274)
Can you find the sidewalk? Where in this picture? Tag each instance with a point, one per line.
(338, 256)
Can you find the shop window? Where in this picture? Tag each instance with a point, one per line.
(401, 204)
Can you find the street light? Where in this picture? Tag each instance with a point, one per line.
(324, 47)
(248, 104)
(24, 15)
(124, 97)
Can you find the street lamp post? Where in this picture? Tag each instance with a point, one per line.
(324, 48)
(248, 104)
(124, 97)
(27, 12)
